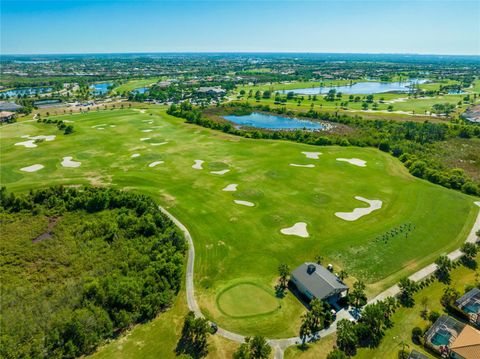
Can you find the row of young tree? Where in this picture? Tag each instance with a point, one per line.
(67, 129)
(407, 140)
(139, 256)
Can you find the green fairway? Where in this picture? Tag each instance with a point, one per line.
(246, 300)
(240, 244)
(134, 84)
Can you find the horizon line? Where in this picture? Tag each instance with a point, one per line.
(237, 52)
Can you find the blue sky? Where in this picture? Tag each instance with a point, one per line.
(381, 26)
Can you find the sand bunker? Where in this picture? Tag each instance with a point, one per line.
(159, 143)
(28, 144)
(298, 229)
(360, 212)
(100, 128)
(145, 138)
(135, 155)
(230, 188)
(147, 130)
(244, 203)
(32, 168)
(477, 203)
(198, 165)
(31, 140)
(153, 164)
(113, 126)
(313, 155)
(141, 111)
(67, 162)
(297, 165)
(354, 161)
(222, 172)
(42, 137)
(103, 124)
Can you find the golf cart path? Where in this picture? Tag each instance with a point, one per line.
(279, 345)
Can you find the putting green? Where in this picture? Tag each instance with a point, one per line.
(237, 244)
(246, 300)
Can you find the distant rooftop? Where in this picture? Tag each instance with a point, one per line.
(9, 106)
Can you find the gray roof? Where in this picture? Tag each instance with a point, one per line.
(471, 296)
(9, 106)
(321, 283)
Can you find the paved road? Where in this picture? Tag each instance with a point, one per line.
(279, 345)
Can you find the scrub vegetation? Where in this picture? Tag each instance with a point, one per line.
(82, 265)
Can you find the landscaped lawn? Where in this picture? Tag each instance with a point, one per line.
(134, 84)
(239, 244)
(405, 319)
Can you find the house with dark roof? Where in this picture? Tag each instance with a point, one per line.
(469, 303)
(315, 281)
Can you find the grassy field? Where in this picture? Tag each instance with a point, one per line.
(236, 244)
(158, 338)
(405, 319)
(403, 106)
(134, 84)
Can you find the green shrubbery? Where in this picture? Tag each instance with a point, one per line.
(112, 260)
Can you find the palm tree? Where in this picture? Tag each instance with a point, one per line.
(403, 352)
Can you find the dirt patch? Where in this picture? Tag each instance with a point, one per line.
(52, 221)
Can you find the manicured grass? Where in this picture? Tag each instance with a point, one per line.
(403, 106)
(405, 319)
(134, 84)
(159, 338)
(293, 85)
(246, 300)
(234, 243)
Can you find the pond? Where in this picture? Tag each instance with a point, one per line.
(101, 88)
(267, 121)
(26, 91)
(364, 88)
(140, 90)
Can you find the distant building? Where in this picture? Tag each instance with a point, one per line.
(212, 91)
(472, 114)
(9, 106)
(164, 84)
(470, 305)
(315, 281)
(6, 116)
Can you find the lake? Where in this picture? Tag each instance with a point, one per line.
(262, 120)
(101, 88)
(140, 90)
(360, 88)
(26, 91)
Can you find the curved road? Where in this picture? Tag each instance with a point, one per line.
(279, 345)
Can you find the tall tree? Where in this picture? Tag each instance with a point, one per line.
(254, 348)
(444, 265)
(407, 289)
(358, 297)
(283, 272)
(193, 341)
(347, 339)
